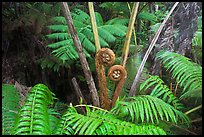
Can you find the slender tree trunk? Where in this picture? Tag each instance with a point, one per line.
(154, 40)
(84, 63)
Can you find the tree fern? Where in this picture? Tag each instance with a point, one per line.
(63, 46)
(10, 104)
(52, 62)
(187, 74)
(33, 118)
(160, 90)
(99, 122)
(147, 108)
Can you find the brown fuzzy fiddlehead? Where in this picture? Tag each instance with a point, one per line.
(104, 57)
(118, 74)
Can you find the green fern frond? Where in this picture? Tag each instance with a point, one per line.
(58, 28)
(63, 46)
(81, 16)
(106, 35)
(79, 24)
(160, 90)
(121, 21)
(99, 19)
(87, 44)
(52, 62)
(186, 73)
(147, 108)
(53, 119)
(33, 118)
(60, 43)
(99, 122)
(58, 36)
(58, 20)
(147, 16)
(10, 104)
(115, 29)
(66, 53)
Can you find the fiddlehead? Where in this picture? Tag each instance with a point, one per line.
(104, 57)
(118, 74)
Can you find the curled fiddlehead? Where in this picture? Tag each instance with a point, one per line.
(118, 74)
(104, 57)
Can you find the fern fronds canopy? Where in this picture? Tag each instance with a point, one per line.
(62, 44)
(98, 122)
(147, 108)
(187, 73)
(33, 118)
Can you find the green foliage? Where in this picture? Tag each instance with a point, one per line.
(160, 90)
(62, 44)
(147, 16)
(147, 108)
(10, 104)
(197, 45)
(33, 117)
(188, 74)
(100, 122)
(116, 9)
(52, 62)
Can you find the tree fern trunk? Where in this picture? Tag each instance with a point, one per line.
(186, 17)
(82, 57)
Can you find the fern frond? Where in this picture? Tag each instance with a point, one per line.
(121, 21)
(53, 119)
(147, 108)
(58, 20)
(160, 90)
(66, 52)
(99, 19)
(33, 118)
(106, 35)
(63, 44)
(10, 104)
(115, 29)
(87, 44)
(60, 43)
(58, 36)
(81, 16)
(102, 123)
(147, 16)
(58, 28)
(186, 73)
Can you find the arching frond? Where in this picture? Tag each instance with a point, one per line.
(122, 21)
(10, 104)
(146, 108)
(187, 74)
(99, 19)
(58, 28)
(160, 90)
(33, 118)
(99, 122)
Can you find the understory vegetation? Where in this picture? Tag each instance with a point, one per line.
(44, 89)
